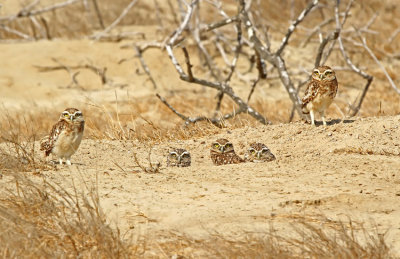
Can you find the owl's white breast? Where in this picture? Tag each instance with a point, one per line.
(67, 143)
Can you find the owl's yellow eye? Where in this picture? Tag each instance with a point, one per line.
(66, 115)
(316, 72)
(216, 145)
(252, 151)
(173, 155)
(228, 145)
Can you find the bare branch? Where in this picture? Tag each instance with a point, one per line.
(219, 122)
(349, 62)
(144, 66)
(276, 60)
(116, 22)
(15, 32)
(292, 27)
(98, 13)
(26, 12)
(189, 66)
(371, 53)
(212, 26)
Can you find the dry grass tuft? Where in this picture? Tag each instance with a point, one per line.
(18, 144)
(303, 240)
(44, 220)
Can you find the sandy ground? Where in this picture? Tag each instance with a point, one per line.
(341, 171)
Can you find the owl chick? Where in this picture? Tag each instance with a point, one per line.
(65, 136)
(320, 92)
(222, 153)
(259, 152)
(179, 157)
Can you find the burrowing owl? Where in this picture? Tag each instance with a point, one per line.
(222, 153)
(320, 92)
(179, 157)
(65, 136)
(259, 152)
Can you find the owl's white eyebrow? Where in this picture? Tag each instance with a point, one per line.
(173, 153)
(185, 153)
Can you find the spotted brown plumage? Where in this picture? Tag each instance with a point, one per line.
(65, 136)
(222, 153)
(320, 92)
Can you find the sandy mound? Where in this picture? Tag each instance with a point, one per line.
(340, 171)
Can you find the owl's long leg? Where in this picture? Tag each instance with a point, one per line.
(68, 162)
(312, 117)
(323, 117)
(60, 160)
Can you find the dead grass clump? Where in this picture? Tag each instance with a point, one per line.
(42, 220)
(303, 240)
(18, 140)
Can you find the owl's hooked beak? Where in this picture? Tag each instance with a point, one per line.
(259, 155)
(222, 148)
(71, 117)
(321, 76)
(179, 159)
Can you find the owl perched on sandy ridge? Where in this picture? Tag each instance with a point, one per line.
(320, 92)
(65, 136)
(222, 153)
(179, 157)
(259, 152)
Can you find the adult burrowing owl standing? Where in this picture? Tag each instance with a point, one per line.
(222, 153)
(179, 157)
(320, 92)
(65, 136)
(259, 152)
